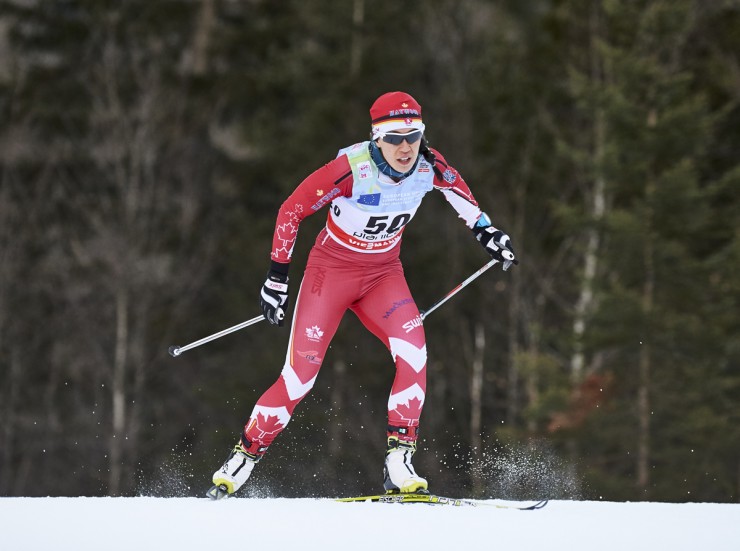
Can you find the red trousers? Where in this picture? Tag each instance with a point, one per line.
(373, 286)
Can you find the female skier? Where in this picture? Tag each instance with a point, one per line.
(373, 189)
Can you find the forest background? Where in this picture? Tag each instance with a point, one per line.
(145, 147)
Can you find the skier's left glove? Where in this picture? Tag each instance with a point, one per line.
(496, 242)
(274, 294)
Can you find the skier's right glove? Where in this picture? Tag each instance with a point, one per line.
(496, 242)
(274, 295)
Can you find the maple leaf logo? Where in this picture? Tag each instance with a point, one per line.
(268, 424)
(411, 410)
(319, 192)
(293, 214)
(286, 233)
(314, 333)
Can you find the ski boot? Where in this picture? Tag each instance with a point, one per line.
(234, 472)
(399, 475)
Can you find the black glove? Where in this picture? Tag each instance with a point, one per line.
(496, 242)
(274, 295)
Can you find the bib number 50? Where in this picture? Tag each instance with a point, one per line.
(377, 224)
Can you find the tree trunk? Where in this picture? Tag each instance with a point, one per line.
(476, 405)
(586, 300)
(643, 391)
(358, 19)
(201, 39)
(118, 393)
(513, 400)
(12, 388)
(533, 379)
(644, 366)
(513, 405)
(336, 437)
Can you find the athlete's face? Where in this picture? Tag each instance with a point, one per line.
(401, 157)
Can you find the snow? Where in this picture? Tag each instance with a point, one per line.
(183, 524)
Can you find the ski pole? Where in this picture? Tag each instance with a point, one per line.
(175, 351)
(448, 296)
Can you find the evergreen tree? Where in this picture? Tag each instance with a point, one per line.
(654, 286)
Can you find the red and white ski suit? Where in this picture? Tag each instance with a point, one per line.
(355, 265)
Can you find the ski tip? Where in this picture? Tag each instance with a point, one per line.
(174, 351)
(538, 505)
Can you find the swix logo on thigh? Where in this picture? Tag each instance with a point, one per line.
(312, 356)
(412, 324)
(318, 281)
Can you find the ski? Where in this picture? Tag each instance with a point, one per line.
(431, 499)
(221, 492)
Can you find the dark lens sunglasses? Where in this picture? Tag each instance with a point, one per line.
(396, 139)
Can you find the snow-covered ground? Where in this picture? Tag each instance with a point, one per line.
(182, 524)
